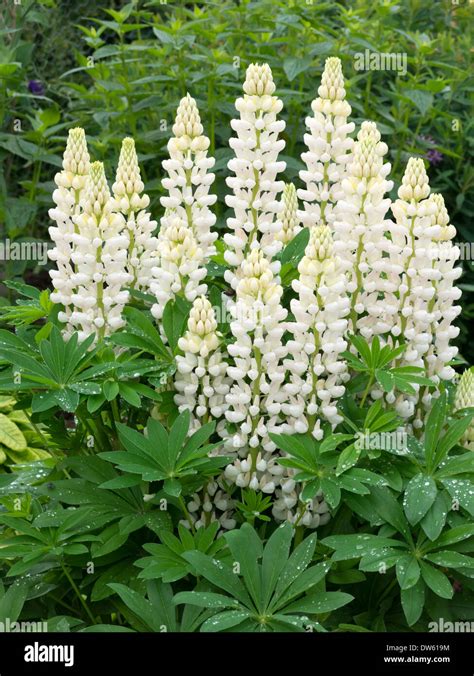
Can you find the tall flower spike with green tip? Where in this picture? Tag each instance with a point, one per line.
(329, 148)
(256, 219)
(464, 398)
(441, 272)
(187, 212)
(290, 225)
(361, 228)
(100, 259)
(408, 287)
(132, 202)
(70, 182)
(317, 372)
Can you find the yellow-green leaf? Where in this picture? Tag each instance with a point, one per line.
(10, 435)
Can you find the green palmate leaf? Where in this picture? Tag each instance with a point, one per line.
(449, 559)
(420, 494)
(408, 571)
(434, 425)
(174, 320)
(413, 601)
(275, 556)
(206, 600)
(218, 574)
(355, 546)
(452, 436)
(319, 602)
(436, 581)
(294, 251)
(348, 458)
(454, 535)
(462, 492)
(225, 620)
(246, 548)
(435, 518)
(331, 491)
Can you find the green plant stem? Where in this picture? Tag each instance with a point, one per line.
(184, 509)
(367, 390)
(78, 593)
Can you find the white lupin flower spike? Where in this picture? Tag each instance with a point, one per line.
(317, 372)
(441, 272)
(361, 227)
(256, 396)
(464, 398)
(70, 182)
(255, 187)
(211, 504)
(408, 287)
(288, 507)
(188, 219)
(201, 381)
(100, 258)
(290, 225)
(132, 202)
(329, 148)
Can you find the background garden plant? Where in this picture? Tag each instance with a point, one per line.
(207, 402)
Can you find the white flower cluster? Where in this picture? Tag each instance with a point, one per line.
(255, 399)
(255, 189)
(360, 230)
(71, 183)
(201, 381)
(442, 308)
(464, 398)
(329, 148)
(132, 203)
(211, 504)
(413, 310)
(100, 248)
(185, 240)
(317, 371)
(290, 225)
(288, 507)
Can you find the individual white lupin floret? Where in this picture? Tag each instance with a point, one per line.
(288, 507)
(179, 270)
(70, 183)
(290, 225)
(100, 256)
(201, 382)
(255, 203)
(255, 399)
(329, 148)
(360, 230)
(189, 178)
(211, 504)
(132, 203)
(464, 398)
(317, 372)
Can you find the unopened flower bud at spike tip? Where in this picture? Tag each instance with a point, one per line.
(259, 80)
(464, 398)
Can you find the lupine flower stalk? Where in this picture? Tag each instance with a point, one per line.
(212, 503)
(256, 396)
(464, 398)
(186, 242)
(290, 225)
(317, 372)
(71, 183)
(100, 259)
(255, 187)
(329, 148)
(132, 202)
(201, 380)
(361, 227)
